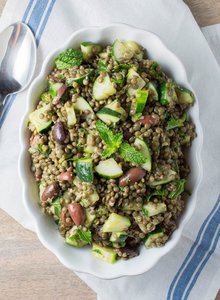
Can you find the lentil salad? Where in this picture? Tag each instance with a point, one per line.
(107, 147)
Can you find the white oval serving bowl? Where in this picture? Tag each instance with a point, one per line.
(81, 259)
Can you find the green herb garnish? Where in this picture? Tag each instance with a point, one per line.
(113, 140)
(180, 186)
(68, 59)
(174, 123)
(161, 193)
(85, 236)
(129, 153)
(56, 207)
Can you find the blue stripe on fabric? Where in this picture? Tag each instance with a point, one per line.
(24, 19)
(33, 23)
(7, 106)
(37, 14)
(195, 244)
(209, 254)
(45, 21)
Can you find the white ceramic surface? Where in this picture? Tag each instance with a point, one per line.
(81, 260)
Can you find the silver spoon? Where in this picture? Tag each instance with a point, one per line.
(17, 60)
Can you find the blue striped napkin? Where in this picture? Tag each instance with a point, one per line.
(191, 270)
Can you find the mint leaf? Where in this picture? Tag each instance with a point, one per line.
(68, 59)
(104, 132)
(108, 152)
(117, 139)
(113, 140)
(85, 236)
(129, 153)
(174, 123)
(180, 186)
(56, 207)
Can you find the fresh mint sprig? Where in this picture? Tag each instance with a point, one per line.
(68, 59)
(129, 153)
(112, 140)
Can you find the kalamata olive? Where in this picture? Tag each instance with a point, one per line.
(77, 213)
(149, 120)
(65, 176)
(59, 133)
(131, 176)
(127, 134)
(63, 218)
(127, 252)
(51, 191)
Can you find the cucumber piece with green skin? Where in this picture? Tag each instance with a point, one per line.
(104, 253)
(118, 237)
(89, 50)
(104, 89)
(79, 79)
(90, 148)
(116, 223)
(82, 105)
(140, 81)
(184, 96)
(122, 51)
(152, 209)
(73, 239)
(116, 106)
(167, 93)
(141, 100)
(112, 113)
(84, 169)
(109, 168)
(145, 151)
(152, 237)
(170, 177)
(153, 93)
(91, 199)
(108, 116)
(71, 116)
(39, 123)
(54, 88)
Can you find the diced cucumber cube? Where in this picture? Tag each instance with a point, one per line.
(104, 253)
(116, 223)
(109, 168)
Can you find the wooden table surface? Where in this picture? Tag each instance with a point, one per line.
(27, 269)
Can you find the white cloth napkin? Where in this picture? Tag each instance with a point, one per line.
(191, 270)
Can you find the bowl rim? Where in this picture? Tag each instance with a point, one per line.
(21, 171)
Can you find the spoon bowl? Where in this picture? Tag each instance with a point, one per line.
(17, 60)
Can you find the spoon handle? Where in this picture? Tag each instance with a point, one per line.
(2, 105)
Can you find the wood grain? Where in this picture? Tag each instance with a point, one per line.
(27, 269)
(206, 12)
